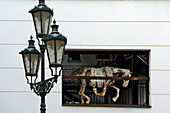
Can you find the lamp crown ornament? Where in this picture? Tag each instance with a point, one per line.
(41, 7)
(31, 48)
(54, 28)
(31, 42)
(55, 34)
(41, 2)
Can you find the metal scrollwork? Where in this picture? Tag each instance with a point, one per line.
(43, 87)
(49, 85)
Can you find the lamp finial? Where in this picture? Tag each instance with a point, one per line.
(54, 22)
(31, 37)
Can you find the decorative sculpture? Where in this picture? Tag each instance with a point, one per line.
(101, 72)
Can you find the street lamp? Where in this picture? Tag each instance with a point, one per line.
(31, 60)
(54, 43)
(42, 16)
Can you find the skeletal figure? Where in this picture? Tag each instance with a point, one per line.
(101, 72)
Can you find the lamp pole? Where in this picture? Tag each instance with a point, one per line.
(42, 94)
(54, 43)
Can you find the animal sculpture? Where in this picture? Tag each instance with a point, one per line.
(101, 72)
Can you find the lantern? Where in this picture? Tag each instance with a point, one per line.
(55, 45)
(42, 16)
(31, 59)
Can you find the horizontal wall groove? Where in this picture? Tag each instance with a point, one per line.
(15, 20)
(160, 94)
(97, 21)
(25, 92)
(69, 45)
(120, 45)
(15, 68)
(110, 21)
(48, 68)
(16, 92)
(11, 68)
(160, 69)
(61, 92)
(13, 44)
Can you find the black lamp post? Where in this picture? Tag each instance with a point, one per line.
(54, 43)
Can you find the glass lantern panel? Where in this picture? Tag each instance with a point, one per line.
(50, 50)
(26, 58)
(34, 63)
(60, 45)
(37, 22)
(46, 20)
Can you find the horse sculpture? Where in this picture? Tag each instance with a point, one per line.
(101, 72)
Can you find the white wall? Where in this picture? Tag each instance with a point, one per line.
(88, 24)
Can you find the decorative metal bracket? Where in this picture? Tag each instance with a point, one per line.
(44, 87)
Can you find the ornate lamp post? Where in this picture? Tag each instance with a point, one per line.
(54, 43)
